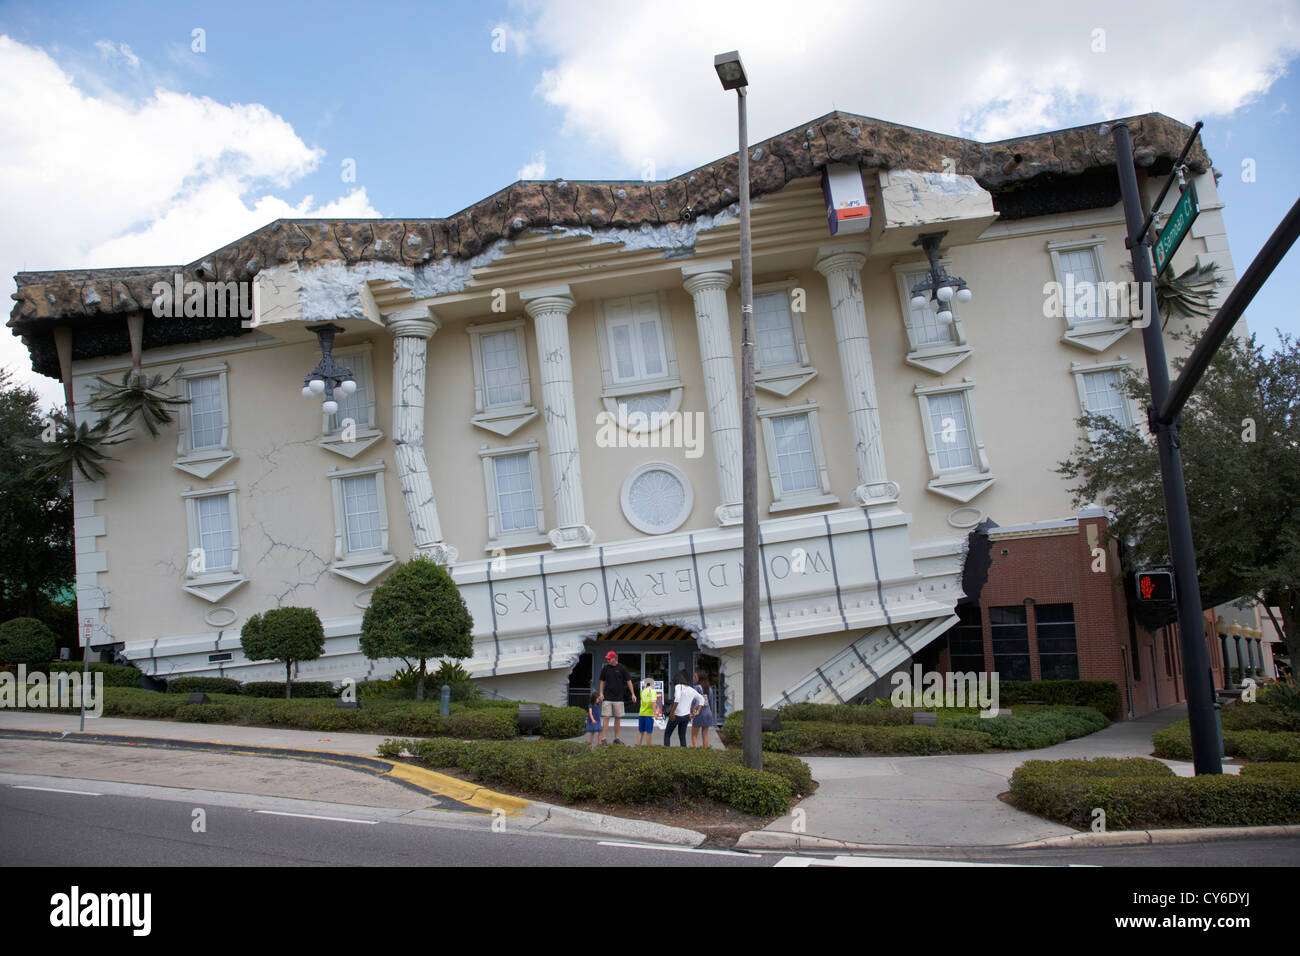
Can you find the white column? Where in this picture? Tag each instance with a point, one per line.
(550, 309)
(707, 283)
(843, 271)
(411, 333)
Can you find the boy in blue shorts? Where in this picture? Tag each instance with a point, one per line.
(646, 717)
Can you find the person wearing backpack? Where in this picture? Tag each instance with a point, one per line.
(685, 705)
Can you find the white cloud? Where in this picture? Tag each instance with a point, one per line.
(99, 180)
(637, 79)
(535, 168)
(114, 51)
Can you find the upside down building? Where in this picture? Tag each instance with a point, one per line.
(547, 401)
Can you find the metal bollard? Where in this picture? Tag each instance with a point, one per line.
(444, 700)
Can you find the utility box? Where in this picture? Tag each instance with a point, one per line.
(847, 210)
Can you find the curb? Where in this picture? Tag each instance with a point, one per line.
(782, 840)
(618, 826)
(1143, 837)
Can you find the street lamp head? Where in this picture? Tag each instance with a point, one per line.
(730, 70)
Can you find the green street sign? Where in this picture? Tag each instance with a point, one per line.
(1180, 221)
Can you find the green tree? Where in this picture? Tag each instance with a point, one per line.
(36, 557)
(287, 634)
(1240, 441)
(417, 615)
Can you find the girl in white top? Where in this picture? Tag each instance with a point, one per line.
(687, 702)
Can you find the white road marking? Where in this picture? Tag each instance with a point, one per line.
(673, 849)
(313, 816)
(84, 793)
(884, 861)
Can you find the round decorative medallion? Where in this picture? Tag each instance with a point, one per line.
(966, 517)
(657, 498)
(214, 616)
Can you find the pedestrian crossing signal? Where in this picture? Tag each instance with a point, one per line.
(1155, 586)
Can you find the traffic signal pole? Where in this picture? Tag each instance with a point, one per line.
(1191, 623)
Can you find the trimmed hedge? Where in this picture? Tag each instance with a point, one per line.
(671, 776)
(406, 718)
(206, 685)
(273, 688)
(1036, 729)
(1175, 743)
(849, 714)
(1102, 695)
(115, 675)
(562, 723)
(1135, 795)
(804, 736)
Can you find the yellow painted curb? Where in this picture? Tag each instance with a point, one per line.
(460, 790)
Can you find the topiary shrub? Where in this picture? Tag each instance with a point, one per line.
(417, 615)
(285, 634)
(25, 640)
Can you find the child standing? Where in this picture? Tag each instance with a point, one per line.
(593, 719)
(646, 718)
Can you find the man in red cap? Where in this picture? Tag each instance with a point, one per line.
(615, 691)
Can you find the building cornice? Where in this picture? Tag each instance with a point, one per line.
(1028, 176)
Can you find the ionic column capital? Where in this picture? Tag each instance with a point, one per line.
(412, 323)
(706, 280)
(549, 305)
(847, 260)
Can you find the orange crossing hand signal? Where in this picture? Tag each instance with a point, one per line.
(1155, 586)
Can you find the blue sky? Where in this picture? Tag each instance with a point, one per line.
(131, 148)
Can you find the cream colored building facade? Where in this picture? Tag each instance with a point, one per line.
(487, 436)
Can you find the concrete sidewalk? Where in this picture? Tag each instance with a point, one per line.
(880, 801)
(943, 800)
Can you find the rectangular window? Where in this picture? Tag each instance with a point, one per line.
(796, 462)
(1058, 654)
(516, 508)
(1010, 642)
(926, 327)
(966, 641)
(361, 510)
(951, 431)
(1104, 396)
(1081, 264)
(215, 538)
(358, 405)
(502, 380)
(775, 330)
(205, 411)
(636, 339)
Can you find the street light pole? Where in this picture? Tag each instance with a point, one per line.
(732, 73)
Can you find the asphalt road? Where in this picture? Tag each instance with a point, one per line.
(43, 825)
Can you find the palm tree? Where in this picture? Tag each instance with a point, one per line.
(1188, 295)
(138, 395)
(78, 446)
